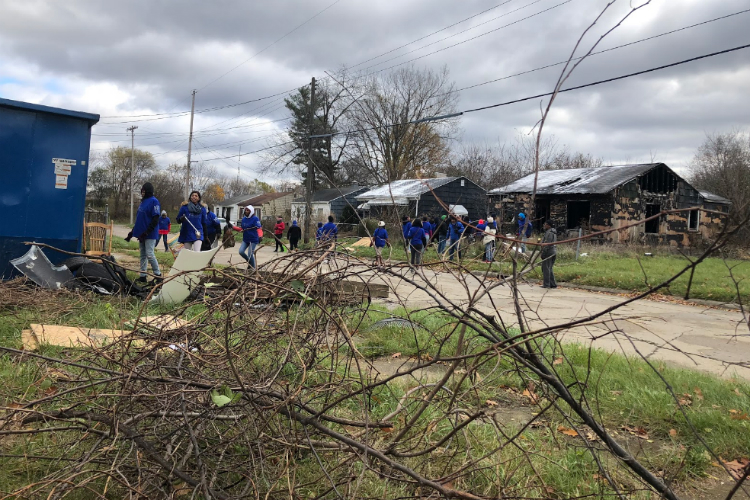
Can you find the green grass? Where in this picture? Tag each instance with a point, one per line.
(623, 268)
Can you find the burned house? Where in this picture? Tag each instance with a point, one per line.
(602, 198)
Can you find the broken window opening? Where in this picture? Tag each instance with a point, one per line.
(652, 226)
(579, 214)
(658, 180)
(693, 219)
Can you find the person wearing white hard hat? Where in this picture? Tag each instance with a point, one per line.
(249, 226)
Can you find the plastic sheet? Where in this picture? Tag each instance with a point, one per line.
(35, 265)
(181, 281)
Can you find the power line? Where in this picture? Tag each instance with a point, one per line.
(464, 41)
(433, 33)
(598, 52)
(514, 101)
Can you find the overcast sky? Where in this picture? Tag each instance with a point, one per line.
(143, 57)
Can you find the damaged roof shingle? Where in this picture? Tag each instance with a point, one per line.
(597, 180)
(409, 189)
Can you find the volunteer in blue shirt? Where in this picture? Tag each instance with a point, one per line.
(213, 228)
(417, 242)
(380, 240)
(319, 232)
(192, 216)
(249, 226)
(405, 227)
(146, 230)
(455, 230)
(524, 230)
(329, 231)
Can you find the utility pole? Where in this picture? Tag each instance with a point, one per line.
(310, 167)
(132, 165)
(239, 159)
(190, 146)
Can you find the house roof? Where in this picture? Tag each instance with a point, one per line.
(235, 200)
(261, 199)
(714, 198)
(406, 189)
(328, 195)
(597, 180)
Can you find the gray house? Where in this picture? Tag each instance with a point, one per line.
(425, 197)
(327, 202)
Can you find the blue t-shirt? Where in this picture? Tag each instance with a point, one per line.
(329, 231)
(146, 212)
(380, 235)
(455, 230)
(164, 223)
(319, 233)
(250, 226)
(416, 236)
(406, 228)
(212, 224)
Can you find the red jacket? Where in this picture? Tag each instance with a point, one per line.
(278, 229)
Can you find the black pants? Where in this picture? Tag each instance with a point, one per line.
(416, 255)
(279, 244)
(208, 241)
(166, 246)
(293, 244)
(549, 274)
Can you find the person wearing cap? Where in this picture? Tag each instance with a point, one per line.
(249, 226)
(192, 216)
(165, 226)
(379, 241)
(146, 230)
(481, 225)
(549, 254)
(489, 240)
(524, 230)
(294, 234)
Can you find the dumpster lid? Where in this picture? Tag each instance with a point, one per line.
(7, 103)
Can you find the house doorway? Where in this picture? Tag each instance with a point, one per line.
(579, 214)
(652, 226)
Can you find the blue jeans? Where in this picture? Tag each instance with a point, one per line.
(148, 257)
(453, 249)
(441, 245)
(250, 256)
(489, 251)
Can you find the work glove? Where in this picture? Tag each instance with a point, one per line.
(129, 236)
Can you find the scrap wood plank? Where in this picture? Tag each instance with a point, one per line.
(164, 322)
(68, 336)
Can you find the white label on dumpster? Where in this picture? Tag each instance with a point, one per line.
(62, 169)
(61, 182)
(63, 161)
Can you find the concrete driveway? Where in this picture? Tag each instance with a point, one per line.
(709, 339)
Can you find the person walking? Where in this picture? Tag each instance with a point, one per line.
(442, 235)
(329, 231)
(294, 234)
(523, 232)
(417, 241)
(249, 226)
(146, 231)
(455, 231)
(165, 227)
(489, 241)
(278, 233)
(405, 226)
(192, 216)
(549, 254)
(213, 229)
(379, 241)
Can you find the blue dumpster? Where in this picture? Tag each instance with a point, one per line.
(44, 155)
